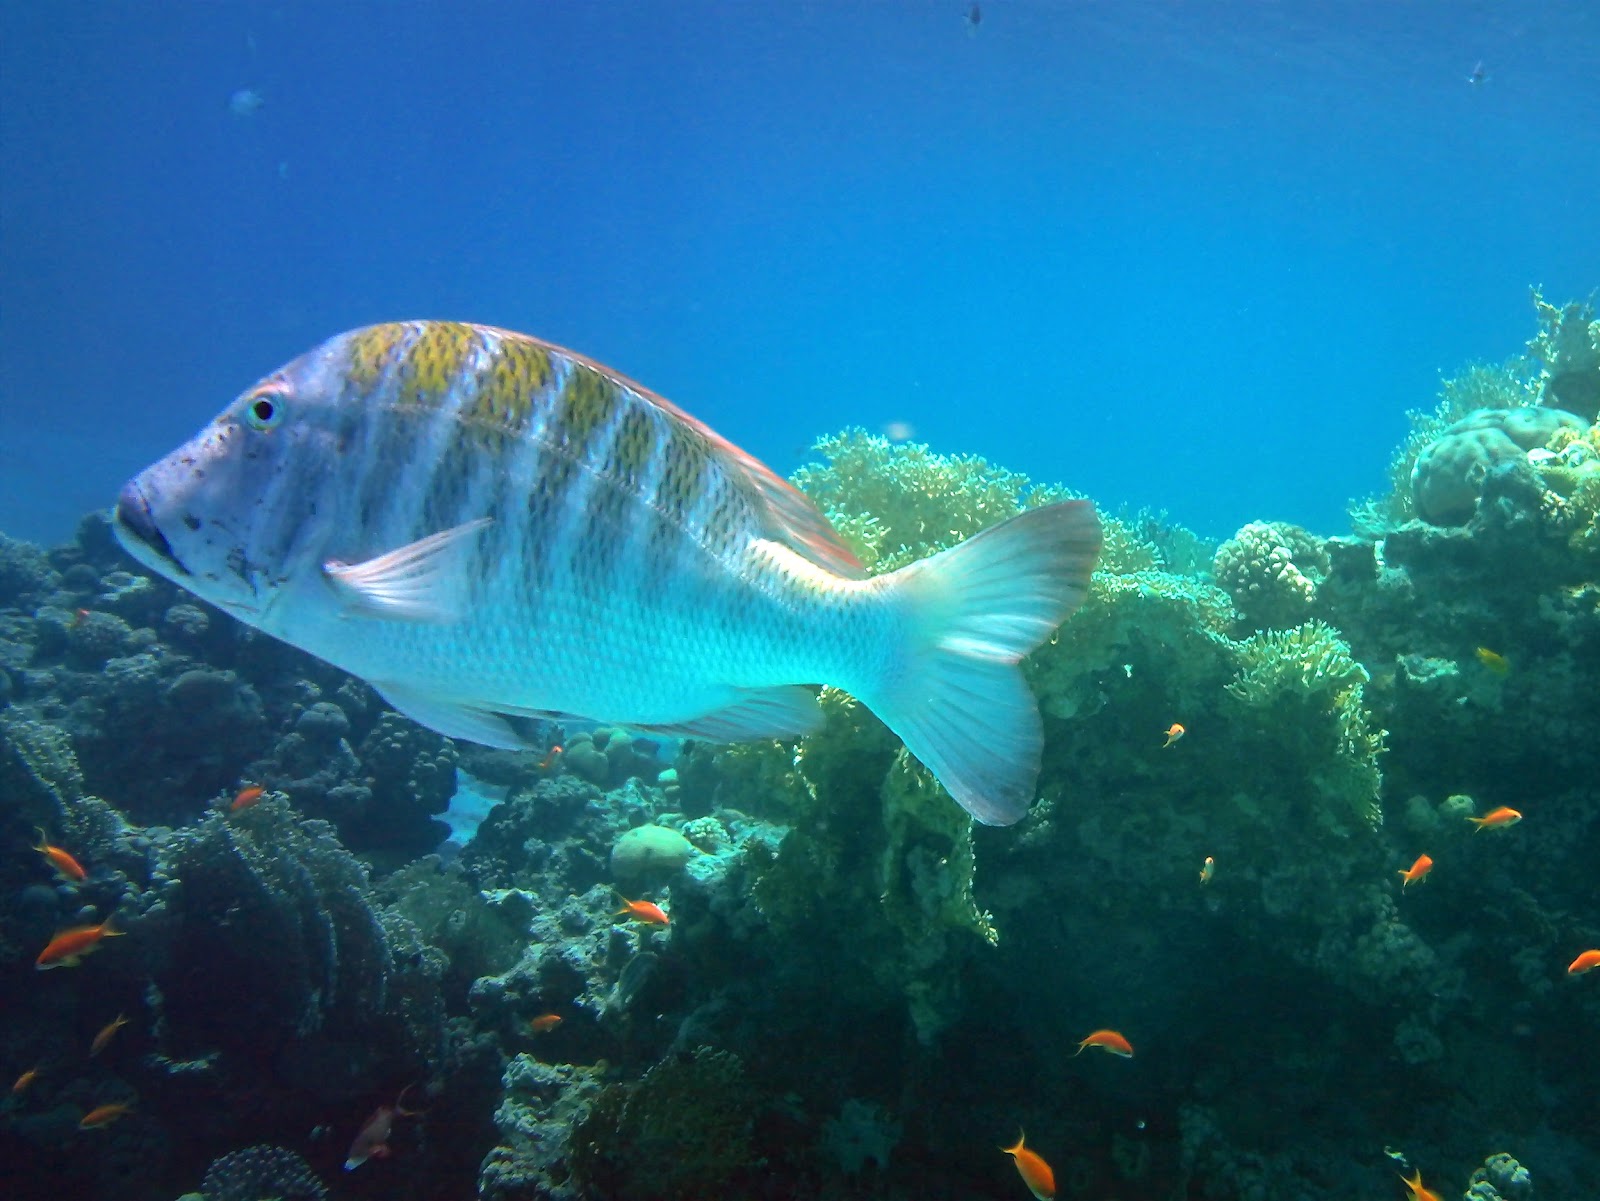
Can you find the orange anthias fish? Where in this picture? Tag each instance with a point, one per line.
(544, 1022)
(1417, 872)
(372, 1141)
(68, 948)
(1414, 1183)
(104, 1115)
(644, 911)
(1493, 660)
(246, 798)
(107, 1033)
(550, 758)
(1035, 1173)
(1586, 962)
(1174, 732)
(66, 866)
(22, 1081)
(1107, 1040)
(1497, 818)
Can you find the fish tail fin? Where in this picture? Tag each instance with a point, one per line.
(955, 695)
(1022, 1137)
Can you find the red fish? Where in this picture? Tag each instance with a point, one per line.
(1035, 1173)
(1497, 819)
(1417, 872)
(550, 758)
(1174, 732)
(372, 1141)
(65, 865)
(1586, 962)
(68, 948)
(104, 1115)
(1418, 1193)
(544, 1022)
(24, 1080)
(246, 798)
(1107, 1040)
(644, 911)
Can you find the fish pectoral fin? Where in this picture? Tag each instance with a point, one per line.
(415, 582)
(758, 713)
(456, 720)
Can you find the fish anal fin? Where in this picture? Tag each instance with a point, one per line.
(759, 713)
(415, 582)
(455, 719)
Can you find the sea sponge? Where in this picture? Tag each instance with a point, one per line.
(649, 850)
(1448, 475)
(1271, 571)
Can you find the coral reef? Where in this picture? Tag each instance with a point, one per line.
(261, 1172)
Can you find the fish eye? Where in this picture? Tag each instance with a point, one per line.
(264, 411)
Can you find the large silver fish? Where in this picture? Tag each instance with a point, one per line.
(486, 527)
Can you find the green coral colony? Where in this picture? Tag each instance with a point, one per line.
(860, 993)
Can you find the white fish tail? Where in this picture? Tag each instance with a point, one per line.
(957, 698)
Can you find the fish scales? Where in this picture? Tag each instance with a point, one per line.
(486, 526)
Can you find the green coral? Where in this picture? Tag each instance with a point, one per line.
(682, 1132)
(1272, 571)
(1308, 673)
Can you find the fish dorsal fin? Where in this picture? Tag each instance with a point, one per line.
(789, 516)
(792, 518)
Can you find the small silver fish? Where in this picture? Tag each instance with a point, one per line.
(486, 527)
(246, 102)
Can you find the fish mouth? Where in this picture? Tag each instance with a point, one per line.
(134, 524)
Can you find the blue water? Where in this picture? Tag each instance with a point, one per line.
(1199, 256)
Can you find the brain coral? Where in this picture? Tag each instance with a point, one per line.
(1449, 472)
(1271, 571)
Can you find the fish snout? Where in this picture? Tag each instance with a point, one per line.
(135, 524)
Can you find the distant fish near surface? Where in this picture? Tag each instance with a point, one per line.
(1586, 962)
(1417, 872)
(488, 529)
(246, 102)
(1497, 819)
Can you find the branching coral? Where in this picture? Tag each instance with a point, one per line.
(1305, 682)
(1567, 349)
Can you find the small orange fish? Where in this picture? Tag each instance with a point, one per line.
(1035, 1173)
(1107, 1040)
(24, 1080)
(79, 617)
(550, 758)
(246, 798)
(1586, 962)
(107, 1033)
(1414, 1183)
(104, 1115)
(1207, 870)
(1417, 872)
(1497, 818)
(1493, 660)
(1174, 732)
(68, 947)
(544, 1022)
(66, 866)
(644, 911)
